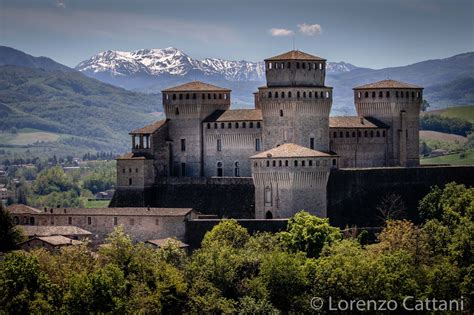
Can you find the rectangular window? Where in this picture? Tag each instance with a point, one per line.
(89, 220)
(257, 145)
(183, 145)
(69, 220)
(115, 221)
(311, 143)
(219, 145)
(183, 169)
(130, 182)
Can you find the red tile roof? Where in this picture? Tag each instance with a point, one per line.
(151, 128)
(196, 86)
(290, 150)
(355, 122)
(295, 55)
(235, 115)
(388, 84)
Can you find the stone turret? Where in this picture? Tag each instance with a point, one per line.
(397, 104)
(186, 106)
(290, 178)
(295, 103)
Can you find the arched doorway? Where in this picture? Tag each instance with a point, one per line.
(269, 215)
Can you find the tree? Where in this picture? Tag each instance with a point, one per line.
(10, 235)
(228, 232)
(425, 105)
(391, 207)
(309, 234)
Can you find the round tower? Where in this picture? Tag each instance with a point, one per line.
(397, 104)
(295, 103)
(290, 178)
(186, 106)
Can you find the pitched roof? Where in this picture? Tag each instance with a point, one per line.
(164, 241)
(135, 156)
(355, 122)
(57, 240)
(290, 150)
(50, 230)
(195, 86)
(164, 212)
(388, 84)
(151, 128)
(295, 55)
(22, 209)
(235, 115)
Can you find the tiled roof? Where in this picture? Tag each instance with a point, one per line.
(22, 209)
(57, 240)
(388, 84)
(196, 86)
(50, 230)
(151, 128)
(290, 150)
(165, 212)
(135, 156)
(355, 122)
(295, 55)
(235, 115)
(164, 241)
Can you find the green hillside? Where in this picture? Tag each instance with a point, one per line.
(465, 158)
(461, 112)
(95, 115)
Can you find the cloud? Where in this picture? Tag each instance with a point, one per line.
(281, 32)
(310, 29)
(61, 4)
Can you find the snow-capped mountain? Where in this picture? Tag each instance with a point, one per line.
(172, 61)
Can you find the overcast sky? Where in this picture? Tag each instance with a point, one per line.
(367, 33)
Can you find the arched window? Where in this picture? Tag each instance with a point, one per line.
(297, 65)
(320, 66)
(251, 124)
(310, 94)
(322, 94)
(327, 94)
(215, 96)
(341, 134)
(180, 96)
(167, 96)
(203, 96)
(194, 96)
(236, 169)
(406, 94)
(288, 65)
(303, 65)
(371, 133)
(314, 66)
(298, 94)
(286, 162)
(220, 96)
(412, 94)
(380, 94)
(366, 94)
(387, 94)
(310, 162)
(268, 196)
(174, 96)
(236, 125)
(280, 163)
(225, 96)
(334, 162)
(335, 134)
(378, 133)
(282, 94)
(373, 94)
(296, 163)
(274, 163)
(215, 125)
(348, 134)
(289, 94)
(401, 94)
(281, 112)
(229, 125)
(269, 94)
(220, 171)
(244, 125)
(304, 94)
(209, 96)
(303, 163)
(366, 133)
(276, 94)
(258, 125)
(187, 96)
(353, 134)
(358, 95)
(268, 163)
(269, 215)
(222, 125)
(269, 66)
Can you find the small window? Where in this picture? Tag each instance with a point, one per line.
(236, 169)
(187, 96)
(373, 94)
(322, 94)
(244, 125)
(366, 94)
(89, 220)
(215, 96)
(359, 134)
(251, 124)
(310, 94)
(407, 94)
(132, 221)
(236, 125)
(174, 96)
(269, 94)
(383, 133)
(209, 96)
(320, 66)
(183, 145)
(311, 143)
(341, 134)
(366, 134)
(371, 133)
(288, 65)
(304, 94)
(310, 162)
(258, 125)
(269, 66)
(215, 125)
(303, 163)
(203, 96)
(378, 134)
(130, 182)
(194, 96)
(219, 145)
(348, 134)
(281, 112)
(136, 170)
(276, 94)
(180, 96)
(208, 126)
(220, 96)
(69, 220)
(380, 94)
(32, 221)
(268, 163)
(123, 171)
(229, 125)
(222, 125)
(289, 94)
(396, 94)
(298, 94)
(286, 162)
(176, 111)
(358, 94)
(297, 65)
(353, 134)
(280, 163)
(296, 163)
(220, 171)
(282, 94)
(129, 170)
(334, 162)
(387, 94)
(183, 169)
(335, 134)
(225, 96)
(401, 94)
(303, 65)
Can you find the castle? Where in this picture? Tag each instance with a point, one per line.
(288, 143)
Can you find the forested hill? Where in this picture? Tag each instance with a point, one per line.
(61, 100)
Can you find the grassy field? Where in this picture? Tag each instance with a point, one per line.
(441, 140)
(27, 136)
(463, 112)
(96, 203)
(453, 159)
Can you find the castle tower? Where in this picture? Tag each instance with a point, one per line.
(398, 105)
(186, 106)
(295, 103)
(290, 178)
